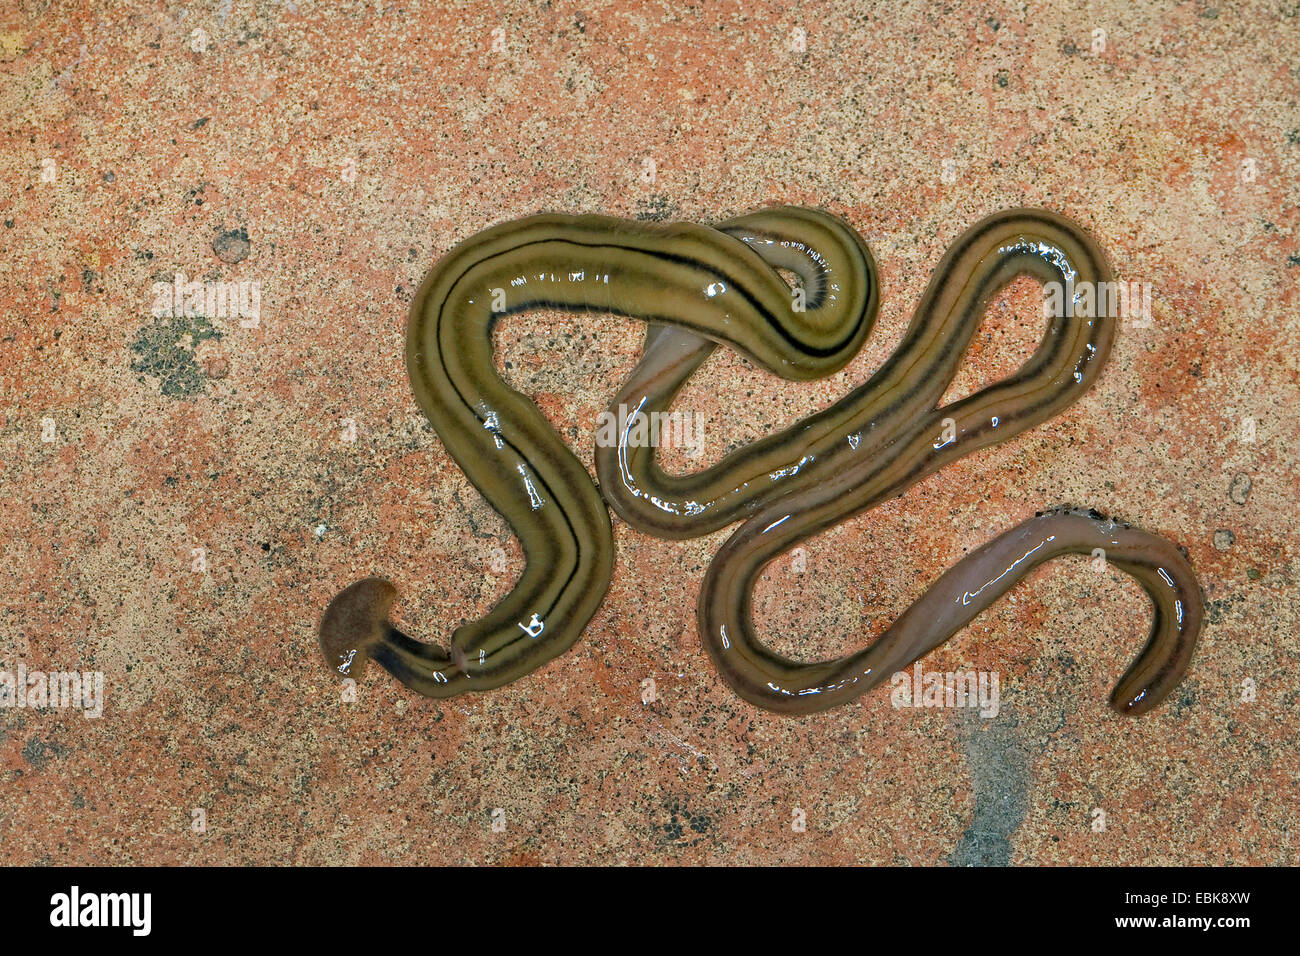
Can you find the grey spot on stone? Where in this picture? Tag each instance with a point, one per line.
(232, 245)
(1224, 539)
(658, 209)
(682, 826)
(38, 752)
(165, 350)
(1239, 490)
(999, 768)
(1186, 697)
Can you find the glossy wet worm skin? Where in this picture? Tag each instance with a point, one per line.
(890, 428)
(697, 287)
(699, 278)
(778, 683)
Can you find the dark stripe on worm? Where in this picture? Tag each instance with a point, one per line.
(512, 455)
(697, 287)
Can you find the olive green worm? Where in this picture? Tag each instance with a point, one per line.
(698, 287)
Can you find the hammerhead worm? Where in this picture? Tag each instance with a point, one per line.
(697, 287)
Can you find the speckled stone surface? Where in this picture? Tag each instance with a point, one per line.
(331, 153)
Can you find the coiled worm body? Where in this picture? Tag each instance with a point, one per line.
(698, 287)
(778, 683)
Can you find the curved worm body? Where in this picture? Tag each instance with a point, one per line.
(778, 683)
(889, 432)
(699, 278)
(698, 287)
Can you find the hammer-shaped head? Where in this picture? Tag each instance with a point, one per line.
(355, 621)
